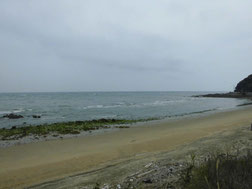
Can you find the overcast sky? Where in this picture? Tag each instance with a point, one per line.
(130, 45)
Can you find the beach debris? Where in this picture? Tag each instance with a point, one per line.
(148, 165)
(134, 174)
(105, 186)
(118, 186)
(146, 173)
(13, 116)
(36, 116)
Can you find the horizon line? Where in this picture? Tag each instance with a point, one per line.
(115, 91)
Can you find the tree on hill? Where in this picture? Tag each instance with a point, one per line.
(245, 85)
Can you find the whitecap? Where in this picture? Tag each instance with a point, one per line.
(5, 112)
(17, 110)
(164, 102)
(93, 106)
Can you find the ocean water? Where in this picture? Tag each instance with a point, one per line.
(61, 107)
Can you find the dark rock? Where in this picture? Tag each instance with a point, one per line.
(147, 181)
(122, 127)
(36, 116)
(245, 85)
(103, 120)
(12, 116)
(14, 127)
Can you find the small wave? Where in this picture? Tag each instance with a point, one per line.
(18, 110)
(192, 113)
(5, 112)
(124, 104)
(203, 111)
(12, 111)
(104, 116)
(64, 106)
(164, 102)
(93, 106)
(113, 106)
(104, 106)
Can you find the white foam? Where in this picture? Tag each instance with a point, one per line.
(102, 106)
(164, 102)
(93, 106)
(5, 112)
(18, 110)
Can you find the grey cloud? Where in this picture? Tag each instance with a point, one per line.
(146, 45)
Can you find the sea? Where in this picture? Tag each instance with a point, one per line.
(77, 106)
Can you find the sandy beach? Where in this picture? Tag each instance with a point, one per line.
(34, 163)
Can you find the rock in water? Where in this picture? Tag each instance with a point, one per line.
(245, 85)
(13, 116)
(36, 116)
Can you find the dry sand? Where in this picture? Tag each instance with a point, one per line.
(33, 163)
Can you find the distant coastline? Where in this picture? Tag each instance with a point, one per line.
(247, 95)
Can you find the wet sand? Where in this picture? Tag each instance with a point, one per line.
(29, 164)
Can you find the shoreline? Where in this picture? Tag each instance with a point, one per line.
(103, 128)
(60, 158)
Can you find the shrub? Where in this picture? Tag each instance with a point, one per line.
(220, 172)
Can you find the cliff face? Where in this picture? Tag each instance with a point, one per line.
(245, 85)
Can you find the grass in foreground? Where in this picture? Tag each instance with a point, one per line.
(220, 172)
(74, 127)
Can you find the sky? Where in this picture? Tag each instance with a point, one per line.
(133, 45)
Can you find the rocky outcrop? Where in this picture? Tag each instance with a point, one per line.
(245, 85)
(242, 90)
(227, 95)
(12, 116)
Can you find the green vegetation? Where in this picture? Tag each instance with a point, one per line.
(219, 172)
(74, 127)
